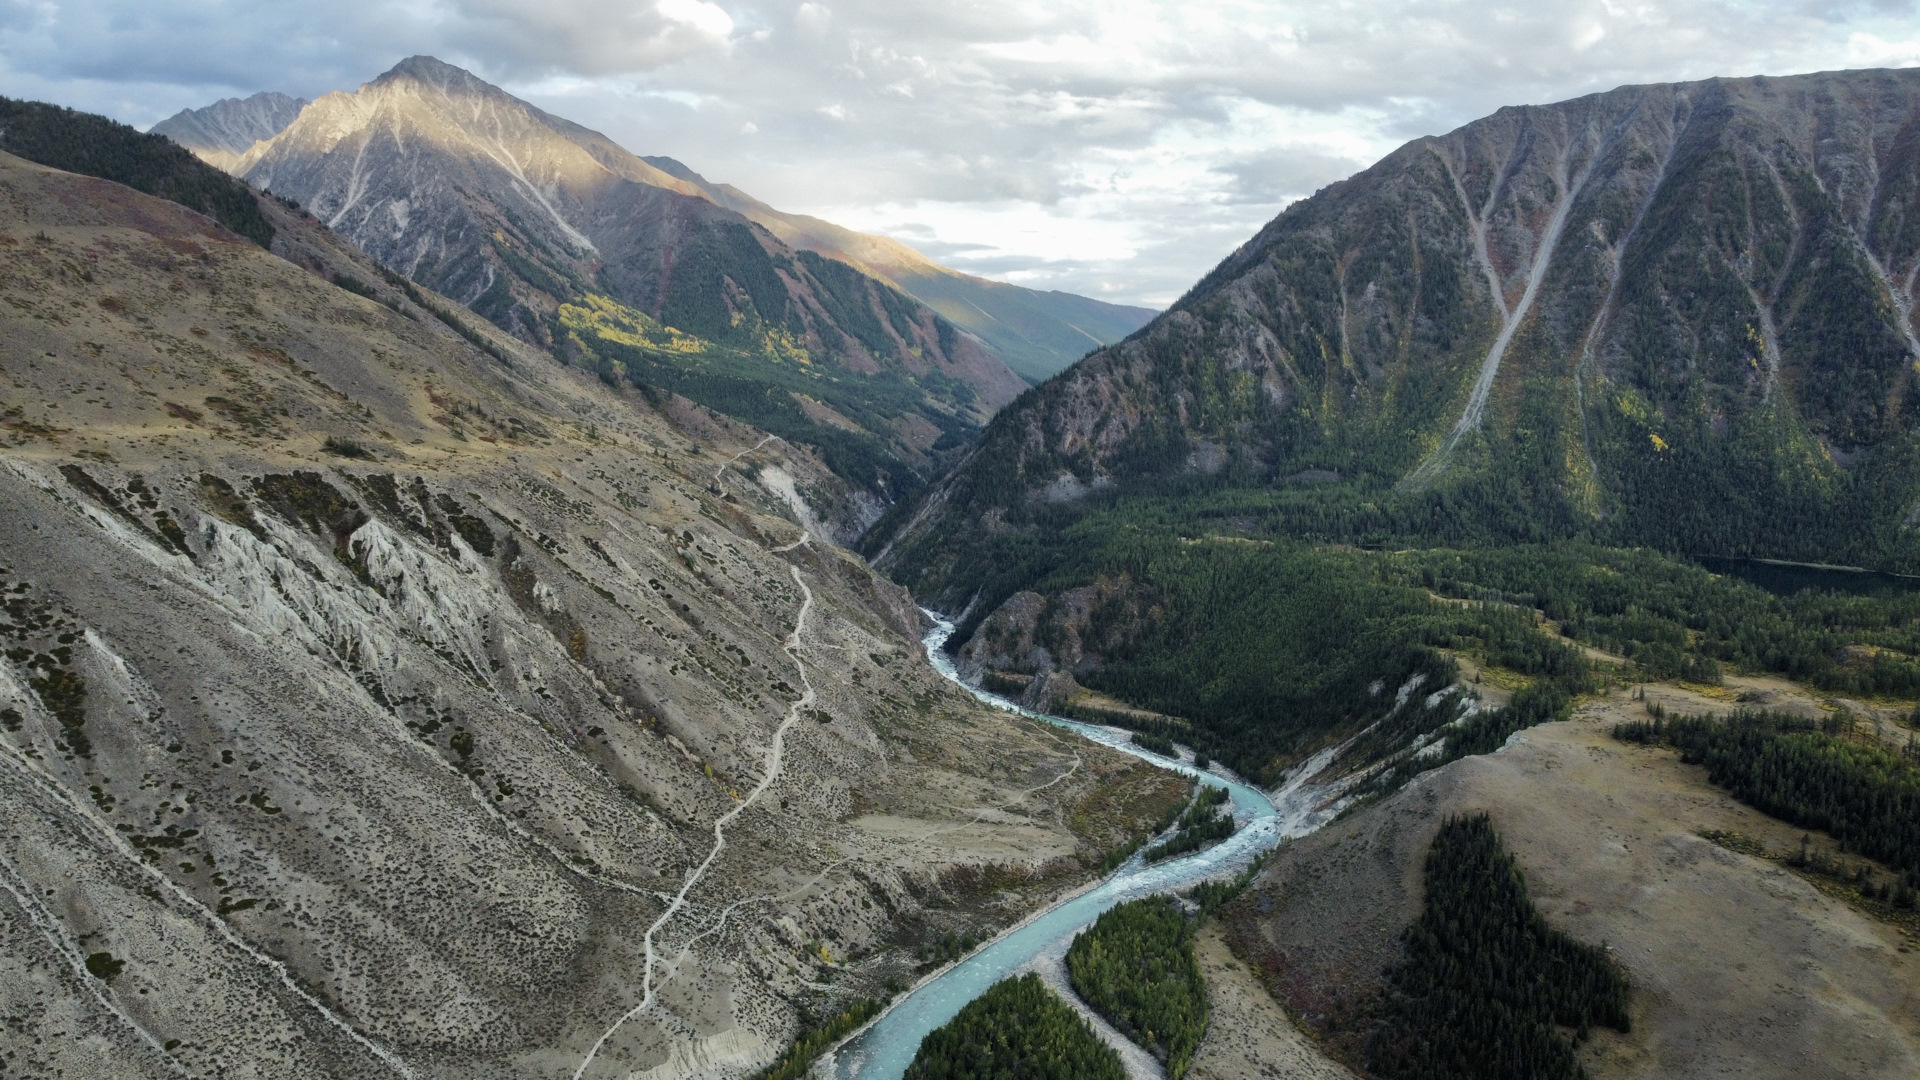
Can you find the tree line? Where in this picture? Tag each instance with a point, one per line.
(1863, 794)
(1485, 983)
(93, 145)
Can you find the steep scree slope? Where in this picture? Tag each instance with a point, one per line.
(370, 689)
(1676, 315)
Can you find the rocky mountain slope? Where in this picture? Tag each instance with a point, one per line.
(557, 235)
(380, 697)
(221, 133)
(1038, 334)
(1675, 315)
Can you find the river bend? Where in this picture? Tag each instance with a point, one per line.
(884, 1049)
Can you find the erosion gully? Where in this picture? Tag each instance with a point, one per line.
(884, 1049)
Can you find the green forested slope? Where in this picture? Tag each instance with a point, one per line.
(96, 146)
(1539, 360)
(1269, 650)
(1717, 358)
(1018, 1030)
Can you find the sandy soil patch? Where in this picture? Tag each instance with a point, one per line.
(1250, 1034)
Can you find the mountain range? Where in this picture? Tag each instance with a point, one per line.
(1037, 333)
(646, 272)
(380, 697)
(461, 683)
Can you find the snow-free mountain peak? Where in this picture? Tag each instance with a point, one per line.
(225, 130)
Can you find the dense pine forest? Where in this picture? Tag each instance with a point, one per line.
(1135, 966)
(1859, 791)
(1269, 649)
(1203, 824)
(1486, 983)
(1017, 1030)
(96, 146)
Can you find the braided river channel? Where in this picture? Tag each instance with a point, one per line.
(884, 1049)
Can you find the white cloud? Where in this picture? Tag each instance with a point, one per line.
(1113, 147)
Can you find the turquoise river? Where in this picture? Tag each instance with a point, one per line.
(884, 1049)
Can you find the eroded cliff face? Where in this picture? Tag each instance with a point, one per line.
(1675, 314)
(381, 697)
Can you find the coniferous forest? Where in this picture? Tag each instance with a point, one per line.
(1018, 1030)
(1863, 794)
(1135, 966)
(96, 146)
(1268, 649)
(1203, 824)
(1485, 983)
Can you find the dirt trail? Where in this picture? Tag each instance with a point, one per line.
(775, 751)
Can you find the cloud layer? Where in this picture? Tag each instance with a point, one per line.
(1116, 148)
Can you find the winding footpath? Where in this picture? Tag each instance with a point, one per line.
(775, 752)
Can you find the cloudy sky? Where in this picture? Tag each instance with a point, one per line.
(1116, 148)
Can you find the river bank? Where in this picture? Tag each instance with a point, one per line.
(884, 1048)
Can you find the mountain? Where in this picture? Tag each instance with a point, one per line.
(1674, 315)
(374, 690)
(222, 132)
(1474, 412)
(96, 146)
(557, 235)
(1037, 333)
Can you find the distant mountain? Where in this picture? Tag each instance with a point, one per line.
(225, 130)
(558, 235)
(1677, 316)
(96, 146)
(1037, 333)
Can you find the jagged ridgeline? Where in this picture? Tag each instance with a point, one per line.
(96, 146)
(1486, 983)
(1672, 315)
